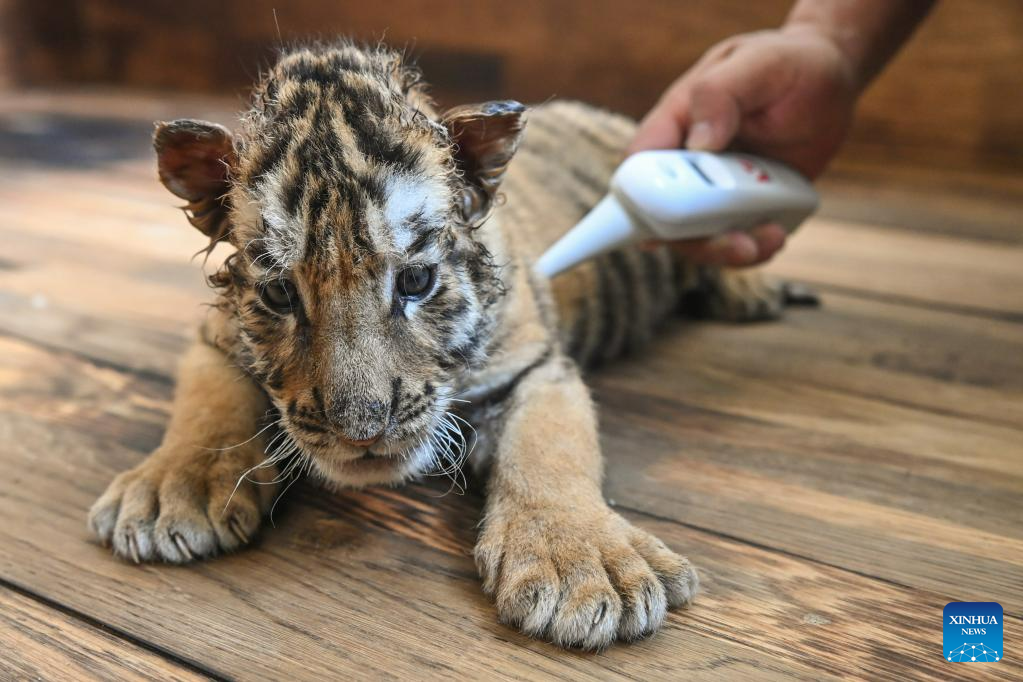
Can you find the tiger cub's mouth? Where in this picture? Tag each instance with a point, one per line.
(440, 448)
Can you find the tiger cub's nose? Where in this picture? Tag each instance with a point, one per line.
(359, 423)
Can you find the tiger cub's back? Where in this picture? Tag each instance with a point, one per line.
(611, 304)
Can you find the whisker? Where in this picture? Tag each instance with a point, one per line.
(279, 452)
(238, 445)
(279, 496)
(272, 444)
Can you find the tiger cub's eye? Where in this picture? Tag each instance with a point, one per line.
(279, 295)
(415, 281)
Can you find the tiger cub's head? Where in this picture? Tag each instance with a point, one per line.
(358, 285)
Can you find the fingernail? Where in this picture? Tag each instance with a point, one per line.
(743, 250)
(733, 248)
(769, 238)
(701, 136)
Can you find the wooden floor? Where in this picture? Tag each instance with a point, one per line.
(838, 476)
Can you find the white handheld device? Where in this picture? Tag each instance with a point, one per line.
(678, 194)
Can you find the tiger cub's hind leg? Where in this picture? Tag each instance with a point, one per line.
(741, 295)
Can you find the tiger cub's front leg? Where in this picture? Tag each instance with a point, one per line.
(181, 503)
(559, 562)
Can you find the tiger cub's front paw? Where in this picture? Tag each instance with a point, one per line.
(580, 578)
(184, 505)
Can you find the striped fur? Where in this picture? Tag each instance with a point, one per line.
(381, 308)
(611, 305)
(345, 172)
(344, 177)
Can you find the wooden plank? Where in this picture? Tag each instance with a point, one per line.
(844, 352)
(345, 584)
(940, 362)
(362, 554)
(795, 436)
(930, 269)
(842, 362)
(587, 49)
(837, 474)
(790, 457)
(934, 199)
(41, 643)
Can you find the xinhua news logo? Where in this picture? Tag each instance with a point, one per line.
(973, 632)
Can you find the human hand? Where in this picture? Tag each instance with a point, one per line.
(786, 94)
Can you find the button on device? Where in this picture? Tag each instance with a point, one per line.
(668, 167)
(754, 169)
(712, 168)
(699, 171)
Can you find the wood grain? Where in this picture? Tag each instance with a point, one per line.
(947, 100)
(40, 643)
(838, 476)
(926, 268)
(380, 564)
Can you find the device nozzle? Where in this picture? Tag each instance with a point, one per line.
(606, 227)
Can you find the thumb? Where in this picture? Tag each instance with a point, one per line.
(743, 83)
(666, 123)
(714, 116)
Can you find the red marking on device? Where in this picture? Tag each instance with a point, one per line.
(763, 177)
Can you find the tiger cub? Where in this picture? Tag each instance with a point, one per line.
(379, 306)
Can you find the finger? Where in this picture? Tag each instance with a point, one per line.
(734, 249)
(715, 117)
(659, 129)
(727, 91)
(665, 124)
(770, 239)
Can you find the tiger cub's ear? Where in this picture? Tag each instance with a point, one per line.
(195, 159)
(485, 137)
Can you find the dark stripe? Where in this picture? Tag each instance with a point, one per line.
(373, 185)
(317, 205)
(274, 151)
(414, 410)
(631, 315)
(321, 406)
(604, 322)
(651, 275)
(425, 237)
(578, 334)
(296, 186)
(612, 304)
(502, 393)
(360, 238)
(274, 380)
(315, 244)
(395, 394)
(305, 425)
(597, 185)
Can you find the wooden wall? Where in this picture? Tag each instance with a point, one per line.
(954, 97)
